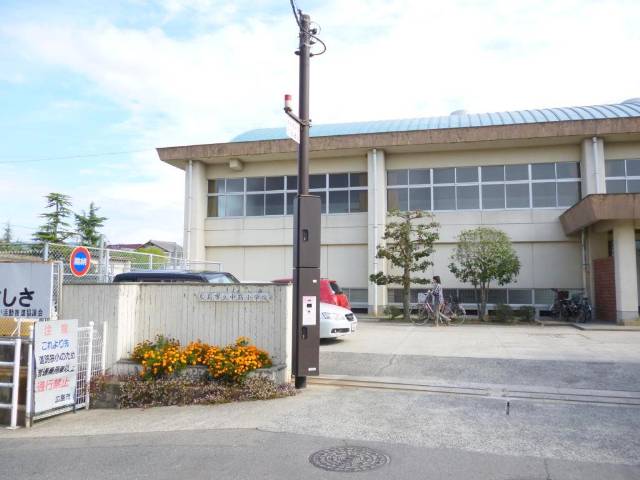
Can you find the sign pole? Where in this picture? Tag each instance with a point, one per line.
(306, 231)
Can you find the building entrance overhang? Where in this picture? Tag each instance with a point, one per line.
(600, 208)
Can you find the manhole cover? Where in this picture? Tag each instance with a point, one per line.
(348, 459)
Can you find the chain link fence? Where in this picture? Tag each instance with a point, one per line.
(105, 262)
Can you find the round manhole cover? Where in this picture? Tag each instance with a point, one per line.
(348, 459)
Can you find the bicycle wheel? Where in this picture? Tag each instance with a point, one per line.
(421, 317)
(460, 315)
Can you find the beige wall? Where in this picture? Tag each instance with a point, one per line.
(461, 158)
(621, 150)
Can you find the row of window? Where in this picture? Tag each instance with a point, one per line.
(512, 296)
(259, 196)
(545, 185)
(541, 185)
(622, 176)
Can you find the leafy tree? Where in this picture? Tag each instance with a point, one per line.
(484, 255)
(7, 234)
(88, 224)
(409, 244)
(56, 228)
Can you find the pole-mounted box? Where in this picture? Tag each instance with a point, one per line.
(306, 231)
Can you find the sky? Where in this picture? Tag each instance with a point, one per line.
(88, 90)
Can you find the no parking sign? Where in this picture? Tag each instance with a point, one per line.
(80, 261)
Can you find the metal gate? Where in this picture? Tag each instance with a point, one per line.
(91, 360)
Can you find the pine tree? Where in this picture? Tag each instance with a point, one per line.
(7, 234)
(87, 226)
(409, 246)
(55, 229)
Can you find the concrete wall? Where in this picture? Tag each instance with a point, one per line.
(138, 312)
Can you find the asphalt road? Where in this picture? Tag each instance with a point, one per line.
(251, 454)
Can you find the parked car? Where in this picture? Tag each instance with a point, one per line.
(336, 321)
(176, 276)
(330, 292)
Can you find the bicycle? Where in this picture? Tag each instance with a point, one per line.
(451, 312)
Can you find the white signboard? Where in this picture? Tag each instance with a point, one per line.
(26, 289)
(56, 360)
(293, 130)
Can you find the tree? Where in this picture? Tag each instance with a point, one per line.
(87, 226)
(7, 234)
(484, 255)
(56, 228)
(409, 244)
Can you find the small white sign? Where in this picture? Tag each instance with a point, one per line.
(26, 289)
(293, 130)
(56, 359)
(309, 310)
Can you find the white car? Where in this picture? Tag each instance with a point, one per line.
(336, 321)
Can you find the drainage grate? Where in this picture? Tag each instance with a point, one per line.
(348, 459)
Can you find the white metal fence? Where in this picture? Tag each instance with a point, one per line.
(91, 360)
(105, 262)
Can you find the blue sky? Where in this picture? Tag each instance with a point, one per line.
(82, 82)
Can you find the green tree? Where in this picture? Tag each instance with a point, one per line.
(88, 224)
(7, 233)
(484, 255)
(56, 228)
(408, 245)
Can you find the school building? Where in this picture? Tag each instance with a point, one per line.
(563, 183)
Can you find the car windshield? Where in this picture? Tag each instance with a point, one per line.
(221, 278)
(335, 287)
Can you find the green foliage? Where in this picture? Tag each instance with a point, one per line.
(55, 229)
(408, 246)
(392, 311)
(526, 313)
(504, 314)
(136, 393)
(159, 259)
(88, 225)
(484, 255)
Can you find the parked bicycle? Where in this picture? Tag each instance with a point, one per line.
(452, 313)
(576, 308)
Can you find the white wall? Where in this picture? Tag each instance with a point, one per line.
(138, 312)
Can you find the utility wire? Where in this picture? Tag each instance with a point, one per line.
(69, 157)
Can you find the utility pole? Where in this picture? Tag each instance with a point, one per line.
(306, 231)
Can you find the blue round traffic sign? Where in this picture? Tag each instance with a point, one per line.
(80, 261)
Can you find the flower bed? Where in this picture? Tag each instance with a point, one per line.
(165, 358)
(136, 392)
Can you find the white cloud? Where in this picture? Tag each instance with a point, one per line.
(385, 59)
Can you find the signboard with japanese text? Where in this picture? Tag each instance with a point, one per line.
(26, 289)
(56, 363)
(293, 130)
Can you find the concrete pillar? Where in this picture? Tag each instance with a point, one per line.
(592, 166)
(195, 211)
(377, 217)
(624, 253)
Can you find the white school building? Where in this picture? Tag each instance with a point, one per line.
(563, 183)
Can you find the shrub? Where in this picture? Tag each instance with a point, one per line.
(526, 313)
(392, 311)
(136, 392)
(504, 314)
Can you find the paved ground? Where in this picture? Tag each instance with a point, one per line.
(427, 435)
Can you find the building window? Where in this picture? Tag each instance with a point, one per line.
(492, 187)
(264, 196)
(622, 176)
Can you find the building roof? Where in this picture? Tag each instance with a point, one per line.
(627, 109)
